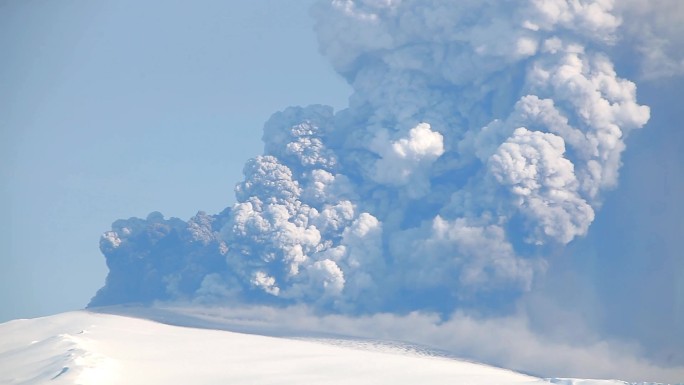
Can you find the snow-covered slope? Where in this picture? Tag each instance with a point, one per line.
(93, 348)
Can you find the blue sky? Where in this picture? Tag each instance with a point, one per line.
(111, 110)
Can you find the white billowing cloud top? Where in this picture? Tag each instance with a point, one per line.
(406, 161)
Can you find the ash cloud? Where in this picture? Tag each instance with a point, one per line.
(480, 138)
(653, 37)
(159, 259)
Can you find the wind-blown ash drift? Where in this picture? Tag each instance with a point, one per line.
(480, 135)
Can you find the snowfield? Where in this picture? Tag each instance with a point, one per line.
(84, 347)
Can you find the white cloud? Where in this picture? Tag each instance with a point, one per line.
(531, 164)
(406, 162)
(653, 32)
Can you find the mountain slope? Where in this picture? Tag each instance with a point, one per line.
(91, 348)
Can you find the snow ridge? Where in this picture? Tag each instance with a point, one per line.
(84, 347)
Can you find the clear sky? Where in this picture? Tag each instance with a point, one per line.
(116, 109)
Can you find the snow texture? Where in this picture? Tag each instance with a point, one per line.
(94, 348)
(87, 348)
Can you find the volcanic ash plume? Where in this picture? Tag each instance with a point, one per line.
(480, 135)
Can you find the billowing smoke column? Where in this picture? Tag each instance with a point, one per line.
(480, 135)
